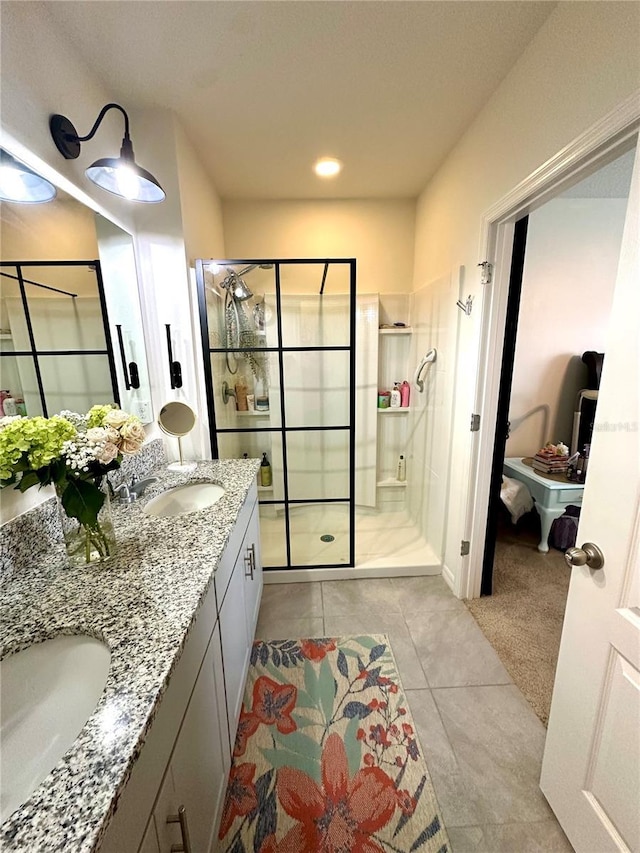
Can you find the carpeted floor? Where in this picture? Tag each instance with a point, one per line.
(523, 618)
(326, 755)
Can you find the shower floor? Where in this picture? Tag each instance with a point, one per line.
(384, 540)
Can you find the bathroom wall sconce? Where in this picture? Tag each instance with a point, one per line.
(18, 183)
(118, 175)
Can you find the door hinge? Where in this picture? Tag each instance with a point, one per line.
(465, 547)
(487, 272)
(475, 423)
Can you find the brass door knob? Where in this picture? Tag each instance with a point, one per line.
(589, 555)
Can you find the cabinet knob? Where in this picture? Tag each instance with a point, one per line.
(181, 818)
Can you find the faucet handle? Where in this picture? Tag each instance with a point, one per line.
(123, 493)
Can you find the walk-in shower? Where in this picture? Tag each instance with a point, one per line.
(292, 369)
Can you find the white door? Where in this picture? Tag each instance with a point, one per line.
(591, 766)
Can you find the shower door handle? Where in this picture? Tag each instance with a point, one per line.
(175, 368)
(130, 371)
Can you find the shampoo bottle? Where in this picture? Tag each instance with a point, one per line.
(395, 396)
(265, 471)
(402, 469)
(405, 392)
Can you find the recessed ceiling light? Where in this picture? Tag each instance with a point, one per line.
(327, 167)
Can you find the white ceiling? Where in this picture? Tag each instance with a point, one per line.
(264, 87)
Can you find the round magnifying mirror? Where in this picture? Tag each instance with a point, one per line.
(178, 419)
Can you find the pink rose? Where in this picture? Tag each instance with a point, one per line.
(133, 435)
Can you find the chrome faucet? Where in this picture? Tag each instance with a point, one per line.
(128, 493)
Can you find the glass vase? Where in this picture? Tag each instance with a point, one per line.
(89, 543)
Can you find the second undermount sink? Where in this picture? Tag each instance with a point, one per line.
(183, 499)
(49, 691)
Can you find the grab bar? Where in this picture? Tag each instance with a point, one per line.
(429, 358)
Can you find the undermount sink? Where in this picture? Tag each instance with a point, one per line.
(183, 499)
(49, 691)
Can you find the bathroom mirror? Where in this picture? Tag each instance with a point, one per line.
(178, 419)
(71, 336)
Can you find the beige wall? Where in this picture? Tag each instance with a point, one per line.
(583, 62)
(573, 247)
(379, 234)
(200, 204)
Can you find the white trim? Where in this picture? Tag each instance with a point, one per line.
(601, 143)
(449, 579)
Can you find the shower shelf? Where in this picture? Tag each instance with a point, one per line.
(400, 331)
(253, 414)
(265, 488)
(391, 483)
(399, 411)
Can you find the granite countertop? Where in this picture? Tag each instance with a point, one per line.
(142, 605)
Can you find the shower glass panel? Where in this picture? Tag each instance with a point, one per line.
(317, 388)
(320, 533)
(318, 464)
(279, 361)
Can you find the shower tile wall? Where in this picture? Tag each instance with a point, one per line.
(433, 312)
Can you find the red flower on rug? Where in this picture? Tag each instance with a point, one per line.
(241, 795)
(340, 815)
(247, 726)
(317, 649)
(273, 704)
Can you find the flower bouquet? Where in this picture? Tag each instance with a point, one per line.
(73, 453)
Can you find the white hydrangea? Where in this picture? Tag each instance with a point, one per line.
(7, 419)
(77, 420)
(79, 452)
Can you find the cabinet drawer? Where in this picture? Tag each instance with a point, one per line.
(230, 555)
(571, 496)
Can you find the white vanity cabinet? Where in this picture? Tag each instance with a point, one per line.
(184, 764)
(239, 588)
(188, 806)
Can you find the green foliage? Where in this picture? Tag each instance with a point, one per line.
(29, 444)
(82, 499)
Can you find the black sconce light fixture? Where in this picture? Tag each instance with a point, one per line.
(18, 183)
(118, 175)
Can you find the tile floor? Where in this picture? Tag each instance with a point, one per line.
(486, 782)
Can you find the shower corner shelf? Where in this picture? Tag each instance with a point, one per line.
(391, 483)
(265, 488)
(406, 330)
(400, 410)
(253, 414)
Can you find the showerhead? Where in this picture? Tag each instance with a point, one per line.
(237, 286)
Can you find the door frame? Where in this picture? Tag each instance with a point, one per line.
(602, 143)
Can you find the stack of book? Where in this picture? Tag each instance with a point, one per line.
(549, 461)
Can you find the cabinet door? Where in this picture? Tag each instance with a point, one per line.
(252, 573)
(236, 646)
(197, 774)
(150, 840)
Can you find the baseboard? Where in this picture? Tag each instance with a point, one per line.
(308, 575)
(449, 578)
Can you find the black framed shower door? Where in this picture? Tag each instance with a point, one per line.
(322, 337)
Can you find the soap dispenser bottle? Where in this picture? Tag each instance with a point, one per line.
(405, 393)
(395, 396)
(265, 471)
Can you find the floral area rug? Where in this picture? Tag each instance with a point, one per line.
(326, 755)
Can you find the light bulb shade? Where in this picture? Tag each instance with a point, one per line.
(20, 184)
(124, 178)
